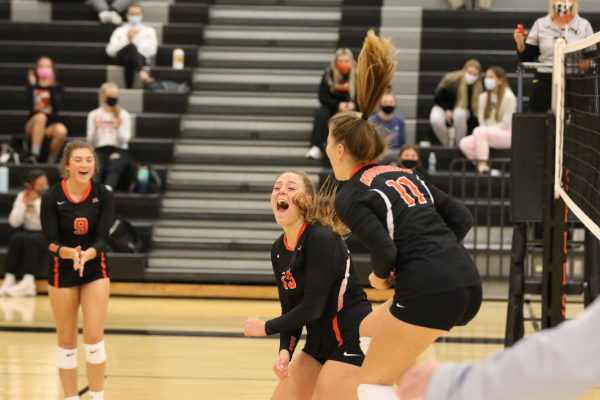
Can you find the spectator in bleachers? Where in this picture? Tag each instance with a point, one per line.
(459, 4)
(27, 244)
(337, 92)
(456, 103)
(44, 95)
(109, 131)
(133, 45)
(409, 158)
(538, 43)
(392, 125)
(109, 11)
(496, 108)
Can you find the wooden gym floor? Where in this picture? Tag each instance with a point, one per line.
(169, 348)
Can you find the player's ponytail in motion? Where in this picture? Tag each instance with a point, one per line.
(359, 135)
(318, 206)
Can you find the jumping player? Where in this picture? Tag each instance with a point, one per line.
(76, 217)
(409, 227)
(318, 288)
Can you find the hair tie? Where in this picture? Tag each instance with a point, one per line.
(365, 116)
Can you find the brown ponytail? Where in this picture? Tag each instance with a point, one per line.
(318, 206)
(355, 131)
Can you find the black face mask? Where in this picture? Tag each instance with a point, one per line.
(410, 164)
(388, 109)
(112, 101)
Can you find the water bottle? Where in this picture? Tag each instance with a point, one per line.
(3, 179)
(432, 163)
(143, 176)
(178, 59)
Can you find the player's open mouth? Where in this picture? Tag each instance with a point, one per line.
(282, 205)
(83, 173)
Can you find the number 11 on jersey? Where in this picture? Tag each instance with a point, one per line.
(399, 186)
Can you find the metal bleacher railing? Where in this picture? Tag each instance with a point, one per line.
(521, 68)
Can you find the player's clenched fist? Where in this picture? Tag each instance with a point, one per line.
(281, 365)
(255, 327)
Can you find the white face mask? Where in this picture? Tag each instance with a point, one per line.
(134, 19)
(471, 79)
(561, 8)
(490, 84)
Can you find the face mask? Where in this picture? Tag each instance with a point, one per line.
(42, 191)
(490, 84)
(112, 101)
(561, 8)
(44, 72)
(410, 164)
(344, 68)
(471, 79)
(134, 19)
(388, 109)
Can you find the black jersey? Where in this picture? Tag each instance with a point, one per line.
(318, 288)
(410, 226)
(85, 223)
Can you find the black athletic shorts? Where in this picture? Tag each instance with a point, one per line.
(441, 311)
(348, 353)
(66, 276)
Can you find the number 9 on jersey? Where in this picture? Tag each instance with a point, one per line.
(81, 226)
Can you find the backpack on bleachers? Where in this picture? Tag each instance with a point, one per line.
(123, 238)
(154, 180)
(168, 86)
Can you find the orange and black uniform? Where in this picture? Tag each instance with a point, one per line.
(319, 288)
(414, 229)
(45, 100)
(85, 223)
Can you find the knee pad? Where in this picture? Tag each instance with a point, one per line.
(376, 392)
(364, 344)
(94, 353)
(67, 358)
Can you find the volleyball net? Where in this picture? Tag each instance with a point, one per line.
(577, 98)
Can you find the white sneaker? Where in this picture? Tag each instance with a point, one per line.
(483, 169)
(495, 172)
(9, 281)
(23, 288)
(104, 17)
(115, 18)
(314, 153)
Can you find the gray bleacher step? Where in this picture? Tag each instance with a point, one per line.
(216, 265)
(278, 15)
(291, 3)
(247, 127)
(264, 80)
(264, 57)
(239, 205)
(236, 35)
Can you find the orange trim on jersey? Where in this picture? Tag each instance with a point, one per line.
(336, 329)
(103, 266)
(85, 196)
(359, 166)
(56, 272)
(299, 234)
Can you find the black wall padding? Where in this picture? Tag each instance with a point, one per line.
(527, 176)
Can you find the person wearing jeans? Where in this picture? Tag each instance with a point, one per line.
(109, 11)
(496, 108)
(109, 131)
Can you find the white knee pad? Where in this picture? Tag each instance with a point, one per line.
(364, 344)
(67, 358)
(94, 353)
(376, 392)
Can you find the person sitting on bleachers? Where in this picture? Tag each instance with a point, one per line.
(460, 4)
(392, 126)
(337, 92)
(456, 103)
(108, 16)
(27, 244)
(409, 158)
(133, 45)
(109, 131)
(44, 95)
(496, 108)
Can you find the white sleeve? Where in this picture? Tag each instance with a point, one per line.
(91, 128)
(124, 131)
(557, 364)
(533, 37)
(589, 31)
(118, 40)
(482, 100)
(146, 42)
(18, 212)
(509, 107)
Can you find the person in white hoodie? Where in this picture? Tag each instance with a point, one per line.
(109, 131)
(27, 244)
(132, 45)
(496, 108)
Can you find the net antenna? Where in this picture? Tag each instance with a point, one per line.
(567, 25)
(577, 149)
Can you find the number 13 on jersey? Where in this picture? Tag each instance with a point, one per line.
(81, 226)
(401, 184)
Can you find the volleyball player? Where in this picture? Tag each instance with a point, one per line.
(76, 217)
(410, 228)
(318, 288)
